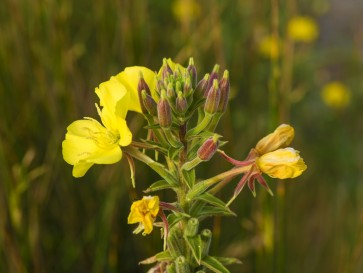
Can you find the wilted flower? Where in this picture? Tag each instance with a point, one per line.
(336, 95)
(280, 138)
(144, 212)
(302, 29)
(282, 163)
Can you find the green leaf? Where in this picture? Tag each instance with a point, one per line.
(189, 177)
(215, 211)
(213, 264)
(211, 199)
(174, 218)
(164, 173)
(159, 185)
(228, 260)
(163, 256)
(195, 245)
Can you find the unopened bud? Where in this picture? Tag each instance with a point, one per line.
(170, 92)
(149, 103)
(201, 88)
(213, 98)
(192, 72)
(187, 90)
(181, 103)
(166, 69)
(164, 111)
(142, 85)
(181, 265)
(224, 87)
(206, 236)
(208, 148)
(213, 76)
(160, 86)
(191, 228)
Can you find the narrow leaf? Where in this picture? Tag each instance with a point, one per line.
(214, 265)
(158, 185)
(215, 211)
(228, 260)
(211, 199)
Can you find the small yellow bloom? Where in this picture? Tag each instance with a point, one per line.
(269, 47)
(336, 95)
(129, 78)
(282, 163)
(144, 212)
(186, 10)
(280, 138)
(302, 29)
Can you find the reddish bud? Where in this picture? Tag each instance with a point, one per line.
(208, 148)
(213, 98)
(201, 88)
(192, 72)
(224, 87)
(149, 103)
(164, 111)
(181, 103)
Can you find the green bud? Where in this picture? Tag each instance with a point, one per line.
(170, 268)
(224, 87)
(192, 72)
(181, 103)
(149, 103)
(164, 111)
(187, 90)
(178, 87)
(160, 85)
(181, 265)
(170, 92)
(206, 236)
(208, 148)
(191, 228)
(201, 88)
(213, 98)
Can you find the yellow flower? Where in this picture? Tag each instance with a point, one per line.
(280, 138)
(302, 29)
(88, 142)
(129, 78)
(282, 163)
(269, 47)
(144, 212)
(336, 95)
(186, 10)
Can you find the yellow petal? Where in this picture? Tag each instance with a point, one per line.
(80, 169)
(336, 95)
(280, 138)
(130, 79)
(113, 96)
(148, 224)
(282, 163)
(302, 29)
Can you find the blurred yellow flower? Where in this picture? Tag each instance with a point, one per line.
(269, 47)
(144, 212)
(282, 163)
(280, 138)
(336, 95)
(186, 10)
(302, 29)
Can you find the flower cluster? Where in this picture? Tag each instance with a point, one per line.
(182, 114)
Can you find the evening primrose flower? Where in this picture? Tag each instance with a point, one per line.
(280, 138)
(336, 95)
(88, 142)
(282, 163)
(302, 29)
(144, 212)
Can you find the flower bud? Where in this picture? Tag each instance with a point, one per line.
(181, 103)
(160, 85)
(224, 86)
(201, 88)
(213, 76)
(192, 72)
(164, 111)
(280, 138)
(206, 236)
(167, 71)
(187, 90)
(181, 265)
(208, 148)
(149, 103)
(142, 85)
(191, 228)
(170, 92)
(213, 98)
(282, 163)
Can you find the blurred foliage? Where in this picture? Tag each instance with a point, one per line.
(54, 53)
